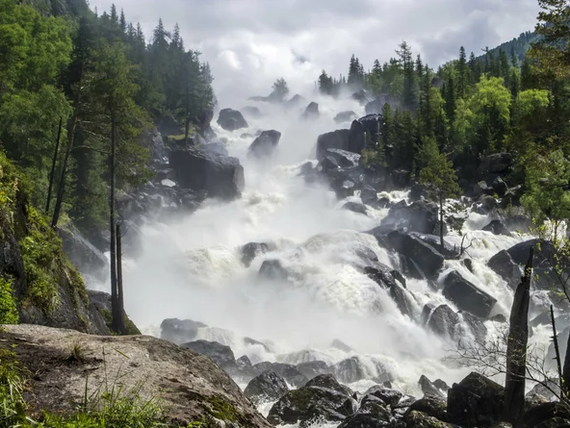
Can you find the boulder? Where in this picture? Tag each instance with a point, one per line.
(542, 415)
(475, 402)
(82, 254)
(268, 386)
(355, 207)
(417, 419)
(251, 250)
(434, 406)
(448, 251)
(421, 216)
(390, 397)
(545, 257)
(372, 413)
(444, 322)
(476, 326)
(287, 371)
(311, 112)
(482, 188)
(345, 116)
(179, 331)
(343, 158)
(429, 389)
(361, 96)
(467, 296)
(354, 369)
(244, 367)
(499, 187)
(231, 120)
(252, 111)
(485, 205)
(322, 397)
(220, 176)
(273, 270)
(264, 146)
(503, 265)
(426, 260)
(498, 163)
(312, 369)
(332, 140)
(496, 227)
(222, 355)
(369, 124)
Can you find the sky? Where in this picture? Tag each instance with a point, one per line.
(251, 43)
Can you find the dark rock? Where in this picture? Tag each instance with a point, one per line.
(287, 371)
(343, 158)
(434, 406)
(244, 367)
(498, 163)
(468, 263)
(389, 396)
(398, 277)
(551, 392)
(441, 385)
(467, 296)
(222, 177)
(312, 369)
(369, 195)
(475, 402)
(84, 255)
(429, 389)
(354, 369)
(230, 120)
(311, 112)
(332, 140)
(499, 318)
(377, 105)
(503, 265)
(345, 116)
(179, 331)
(482, 188)
(337, 344)
(361, 96)
(419, 217)
(417, 419)
(215, 147)
(251, 250)
(448, 251)
(424, 257)
(541, 413)
(355, 207)
(322, 397)
(545, 257)
(100, 307)
(264, 146)
(444, 321)
(268, 386)
(272, 270)
(555, 423)
(403, 299)
(512, 197)
(357, 138)
(250, 341)
(499, 187)
(252, 111)
(372, 413)
(497, 228)
(307, 169)
(485, 205)
(476, 326)
(222, 355)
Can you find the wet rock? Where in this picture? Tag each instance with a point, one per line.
(503, 265)
(475, 402)
(429, 389)
(444, 322)
(389, 396)
(265, 145)
(230, 119)
(361, 96)
(220, 176)
(417, 419)
(345, 116)
(434, 406)
(372, 413)
(545, 413)
(467, 296)
(550, 392)
(545, 257)
(273, 270)
(343, 158)
(485, 205)
(311, 112)
(287, 371)
(252, 111)
(268, 386)
(251, 250)
(421, 216)
(426, 259)
(499, 187)
(179, 331)
(354, 369)
(355, 207)
(482, 188)
(82, 254)
(476, 326)
(322, 397)
(498, 163)
(244, 367)
(218, 353)
(496, 227)
(448, 251)
(370, 124)
(312, 369)
(332, 140)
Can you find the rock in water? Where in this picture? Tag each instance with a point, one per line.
(252, 111)
(251, 250)
(467, 296)
(220, 354)
(431, 406)
(220, 176)
(311, 112)
(475, 402)
(264, 146)
(287, 371)
(355, 207)
(179, 331)
(426, 259)
(497, 228)
(370, 125)
(268, 386)
(417, 419)
(322, 397)
(504, 266)
(231, 120)
(444, 321)
(345, 116)
(332, 140)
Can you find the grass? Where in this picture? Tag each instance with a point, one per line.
(8, 307)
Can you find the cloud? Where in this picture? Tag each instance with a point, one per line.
(250, 43)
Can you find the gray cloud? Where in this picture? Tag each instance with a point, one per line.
(250, 43)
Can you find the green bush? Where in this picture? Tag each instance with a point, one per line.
(8, 307)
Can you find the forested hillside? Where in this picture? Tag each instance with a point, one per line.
(68, 78)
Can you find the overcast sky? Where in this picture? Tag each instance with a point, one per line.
(250, 43)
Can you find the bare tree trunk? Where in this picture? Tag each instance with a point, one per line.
(121, 323)
(441, 221)
(61, 189)
(53, 164)
(566, 373)
(556, 347)
(187, 118)
(516, 350)
(115, 307)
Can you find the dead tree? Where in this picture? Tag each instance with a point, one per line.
(120, 300)
(517, 350)
(53, 165)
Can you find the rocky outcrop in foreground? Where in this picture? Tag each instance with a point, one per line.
(190, 386)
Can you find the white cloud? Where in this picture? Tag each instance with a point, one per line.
(250, 43)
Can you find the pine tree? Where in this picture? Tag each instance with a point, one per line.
(462, 72)
(123, 22)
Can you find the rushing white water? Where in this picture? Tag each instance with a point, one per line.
(191, 269)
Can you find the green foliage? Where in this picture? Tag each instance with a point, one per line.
(8, 307)
(437, 171)
(280, 89)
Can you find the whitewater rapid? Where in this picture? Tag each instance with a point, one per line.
(191, 268)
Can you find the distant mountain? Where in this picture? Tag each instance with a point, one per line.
(520, 45)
